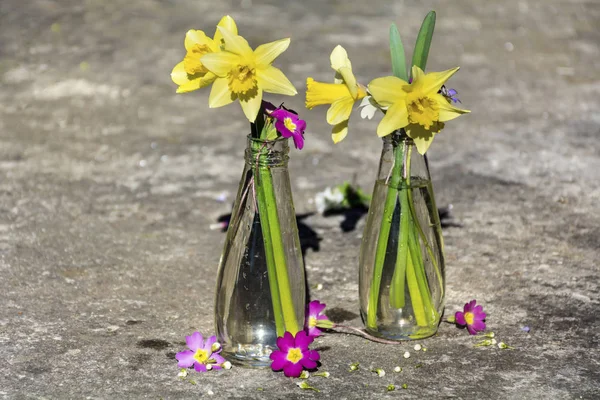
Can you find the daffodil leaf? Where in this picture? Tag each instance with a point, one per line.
(397, 53)
(424, 41)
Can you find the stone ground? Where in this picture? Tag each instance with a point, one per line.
(108, 185)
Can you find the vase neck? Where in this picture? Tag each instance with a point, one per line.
(399, 152)
(267, 153)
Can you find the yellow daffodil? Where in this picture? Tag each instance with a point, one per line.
(341, 94)
(417, 107)
(191, 74)
(243, 73)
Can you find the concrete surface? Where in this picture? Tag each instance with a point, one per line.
(108, 182)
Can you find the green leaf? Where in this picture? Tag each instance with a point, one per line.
(397, 53)
(424, 41)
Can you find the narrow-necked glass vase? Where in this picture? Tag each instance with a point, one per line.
(401, 266)
(261, 287)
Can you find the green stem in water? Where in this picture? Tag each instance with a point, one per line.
(399, 277)
(384, 234)
(285, 295)
(421, 304)
(428, 248)
(270, 258)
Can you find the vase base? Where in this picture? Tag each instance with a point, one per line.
(404, 333)
(249, 356)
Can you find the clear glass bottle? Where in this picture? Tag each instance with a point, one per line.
(261, 286)
(401, 266)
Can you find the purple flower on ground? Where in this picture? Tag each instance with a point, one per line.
(314, 319)
(293, 355)
(472, 317)
(289, 125)
(202, 355)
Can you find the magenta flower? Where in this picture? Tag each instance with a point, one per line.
(202, 355)
(293, 355)
(314, 319)
(289, 125)
(472, 316)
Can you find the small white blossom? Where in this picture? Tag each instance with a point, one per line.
(304, 375)
(397, 369)
(215, 347)
(379, 371)
(183, 373)
(417, 347)
(226, 365)
(406, 354)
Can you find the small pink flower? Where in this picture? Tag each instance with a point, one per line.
(289, 125)
(472, 317)
(294, 355)
(200, 354)
(314, 319)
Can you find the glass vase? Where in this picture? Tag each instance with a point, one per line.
(261, 287)
(401, 266)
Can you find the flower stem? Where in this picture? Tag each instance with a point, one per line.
(366, 335)
(285, 295)
(270, 258)
(384, 234)
(399, 277)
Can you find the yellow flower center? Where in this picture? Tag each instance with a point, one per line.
(422, 110)
(312, 322)
(469, 318)
(287, 121)
(242, 79)
(294, 355)
(191, 61)
(201, 356)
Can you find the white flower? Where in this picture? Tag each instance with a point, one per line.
(417, 347)
(329, 199)
(183, 373)
(406, 354)
(397, 369)
(368, 108)
(226, 365)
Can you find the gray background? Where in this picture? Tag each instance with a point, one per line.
(108, 182)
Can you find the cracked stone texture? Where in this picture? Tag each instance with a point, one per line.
(108, 182)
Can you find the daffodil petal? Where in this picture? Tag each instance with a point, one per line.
(446, 110)
(319, 93)
(422, 137)
(340, 110)
(194, 37)
(220, 63)
(339, 58)
(396, 117)
(433, 81)
(220, 94)
(197, 83)
(251, 105)
(339, 131)
(266, 53)
(272, 80)
(178, 75)
(349, 80)
(234, 43)
(387, 90)
(228, 23)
